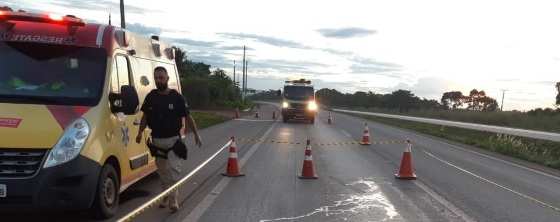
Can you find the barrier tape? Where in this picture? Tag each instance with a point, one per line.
(176, 186)
(335, 143)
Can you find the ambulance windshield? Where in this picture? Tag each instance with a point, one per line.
(51, 74)
(298, 92)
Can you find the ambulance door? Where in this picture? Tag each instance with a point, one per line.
(127, 125)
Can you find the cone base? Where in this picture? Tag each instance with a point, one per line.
(233, 175)
(308, 177)
(365, 144)
(406, 177)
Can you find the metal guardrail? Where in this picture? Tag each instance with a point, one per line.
(473, 126)
(160, 196)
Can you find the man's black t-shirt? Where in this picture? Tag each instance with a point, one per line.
(164, 113)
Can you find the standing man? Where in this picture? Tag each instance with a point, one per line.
(166, 113)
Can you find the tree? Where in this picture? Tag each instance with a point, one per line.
(558, 95)
(453, 99)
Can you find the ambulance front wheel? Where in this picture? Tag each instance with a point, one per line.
(107, 195)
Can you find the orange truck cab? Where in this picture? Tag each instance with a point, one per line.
(69, 111)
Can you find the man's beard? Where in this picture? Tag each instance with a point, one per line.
(161, 86)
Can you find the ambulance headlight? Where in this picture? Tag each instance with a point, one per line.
(285, 105)
(312, 105)
(70, 144)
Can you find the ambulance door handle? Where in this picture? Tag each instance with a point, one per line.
(136, 122)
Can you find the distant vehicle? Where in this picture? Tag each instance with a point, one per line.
(298, 101)
(69, 106)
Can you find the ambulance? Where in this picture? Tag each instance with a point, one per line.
(298, 101)
(70, 93)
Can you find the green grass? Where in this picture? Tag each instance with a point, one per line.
(204, 120)
(543, 152)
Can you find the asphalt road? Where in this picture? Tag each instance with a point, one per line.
(356, 183)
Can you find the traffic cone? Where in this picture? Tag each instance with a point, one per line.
(308, 171)
(365, 137)
(232, 167)
(406, 171)
(237, 113)
(274, 115)
(329, 120)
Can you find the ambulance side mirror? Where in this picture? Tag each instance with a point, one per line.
(126, 102)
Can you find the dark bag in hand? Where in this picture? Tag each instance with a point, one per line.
(180, 149)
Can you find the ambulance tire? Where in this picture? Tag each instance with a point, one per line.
(106, 200)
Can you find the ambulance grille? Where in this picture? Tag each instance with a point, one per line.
(297, 105)
(20, 163)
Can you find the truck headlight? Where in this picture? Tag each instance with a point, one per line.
(312, 105)
(70, 144)
(285, 105)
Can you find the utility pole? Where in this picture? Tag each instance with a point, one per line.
(123, 23)
(243, 87)
(234, 73)
(109, 18)
(246, 76)
(503, 95)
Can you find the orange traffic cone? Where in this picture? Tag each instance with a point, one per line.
(365, 137)
(308, 171)
(406, 171)
(237, 113)
(329, 120)
(232, 167)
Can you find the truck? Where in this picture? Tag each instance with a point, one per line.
(69, 105)
(298, 101)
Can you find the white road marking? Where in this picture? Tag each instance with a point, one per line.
(346, 133)
(494, 183)
(451, 207)
(498, 159)
(199, 210)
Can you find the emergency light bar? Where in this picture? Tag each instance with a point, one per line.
(303, 81)
(68, 20)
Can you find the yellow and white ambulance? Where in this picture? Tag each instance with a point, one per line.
(69, 110)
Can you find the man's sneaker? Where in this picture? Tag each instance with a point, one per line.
(174, 208)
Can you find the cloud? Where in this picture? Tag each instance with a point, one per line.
(265, 39)
(371, 66)
(191, 42)
(345, 33)
(102, 5)
(142, 29)
(234, 48)
(428, 87)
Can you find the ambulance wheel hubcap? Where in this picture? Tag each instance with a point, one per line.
(109, 191)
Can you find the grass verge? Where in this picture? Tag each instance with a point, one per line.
(204, 120)
(542, 152)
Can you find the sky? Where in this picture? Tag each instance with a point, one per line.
(428, 47)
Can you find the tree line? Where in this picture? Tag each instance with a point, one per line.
(204, 88)
(404, 100)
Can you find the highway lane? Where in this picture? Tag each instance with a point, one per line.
(486, 186)
(354, 184)
(456, 182)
